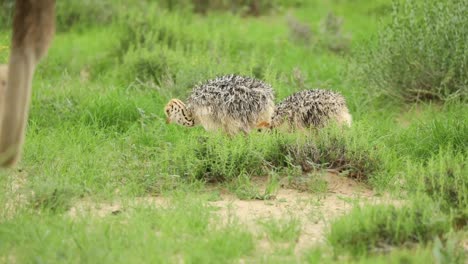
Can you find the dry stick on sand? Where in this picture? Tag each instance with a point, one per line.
(33, 30)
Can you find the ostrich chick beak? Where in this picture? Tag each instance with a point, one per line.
(168, 121)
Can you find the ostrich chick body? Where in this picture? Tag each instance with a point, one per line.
(311, 108)
(228, 103)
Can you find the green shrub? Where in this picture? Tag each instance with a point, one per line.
(381, 227)
(219, 159)
(329, 149)
(422, 54)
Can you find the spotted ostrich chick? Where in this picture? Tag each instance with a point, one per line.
(228, 103)
(311, 108)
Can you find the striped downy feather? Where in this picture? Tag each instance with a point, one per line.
(311, 108)
(229, 103)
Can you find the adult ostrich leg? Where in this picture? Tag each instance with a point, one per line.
(33, 30)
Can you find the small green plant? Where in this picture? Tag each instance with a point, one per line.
(52, 198)
(332, 35)
(219, 158)
(284, 230)
(310, 182)
(299, 32)
(244, 189)
(318, 184)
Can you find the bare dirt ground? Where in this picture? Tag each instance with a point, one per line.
(17, 198)
(314, 211)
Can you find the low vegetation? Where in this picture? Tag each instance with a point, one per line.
(380, 228)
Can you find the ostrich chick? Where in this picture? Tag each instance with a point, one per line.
(311, 108)
(229, 103)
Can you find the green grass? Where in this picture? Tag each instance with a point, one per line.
(381, 227)
(283, 230)
(97, 135)
(143, 233)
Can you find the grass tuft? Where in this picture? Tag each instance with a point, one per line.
(379, 228)
(284, 230)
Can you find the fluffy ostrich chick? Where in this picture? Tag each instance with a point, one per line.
(228, 103)
(311, 108)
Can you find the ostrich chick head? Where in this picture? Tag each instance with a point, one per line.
(177, 112)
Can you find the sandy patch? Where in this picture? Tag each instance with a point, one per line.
(314, 211)
(103, 209)
(17, 196)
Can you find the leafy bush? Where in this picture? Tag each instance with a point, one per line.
(422, 54)
(376, 228)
